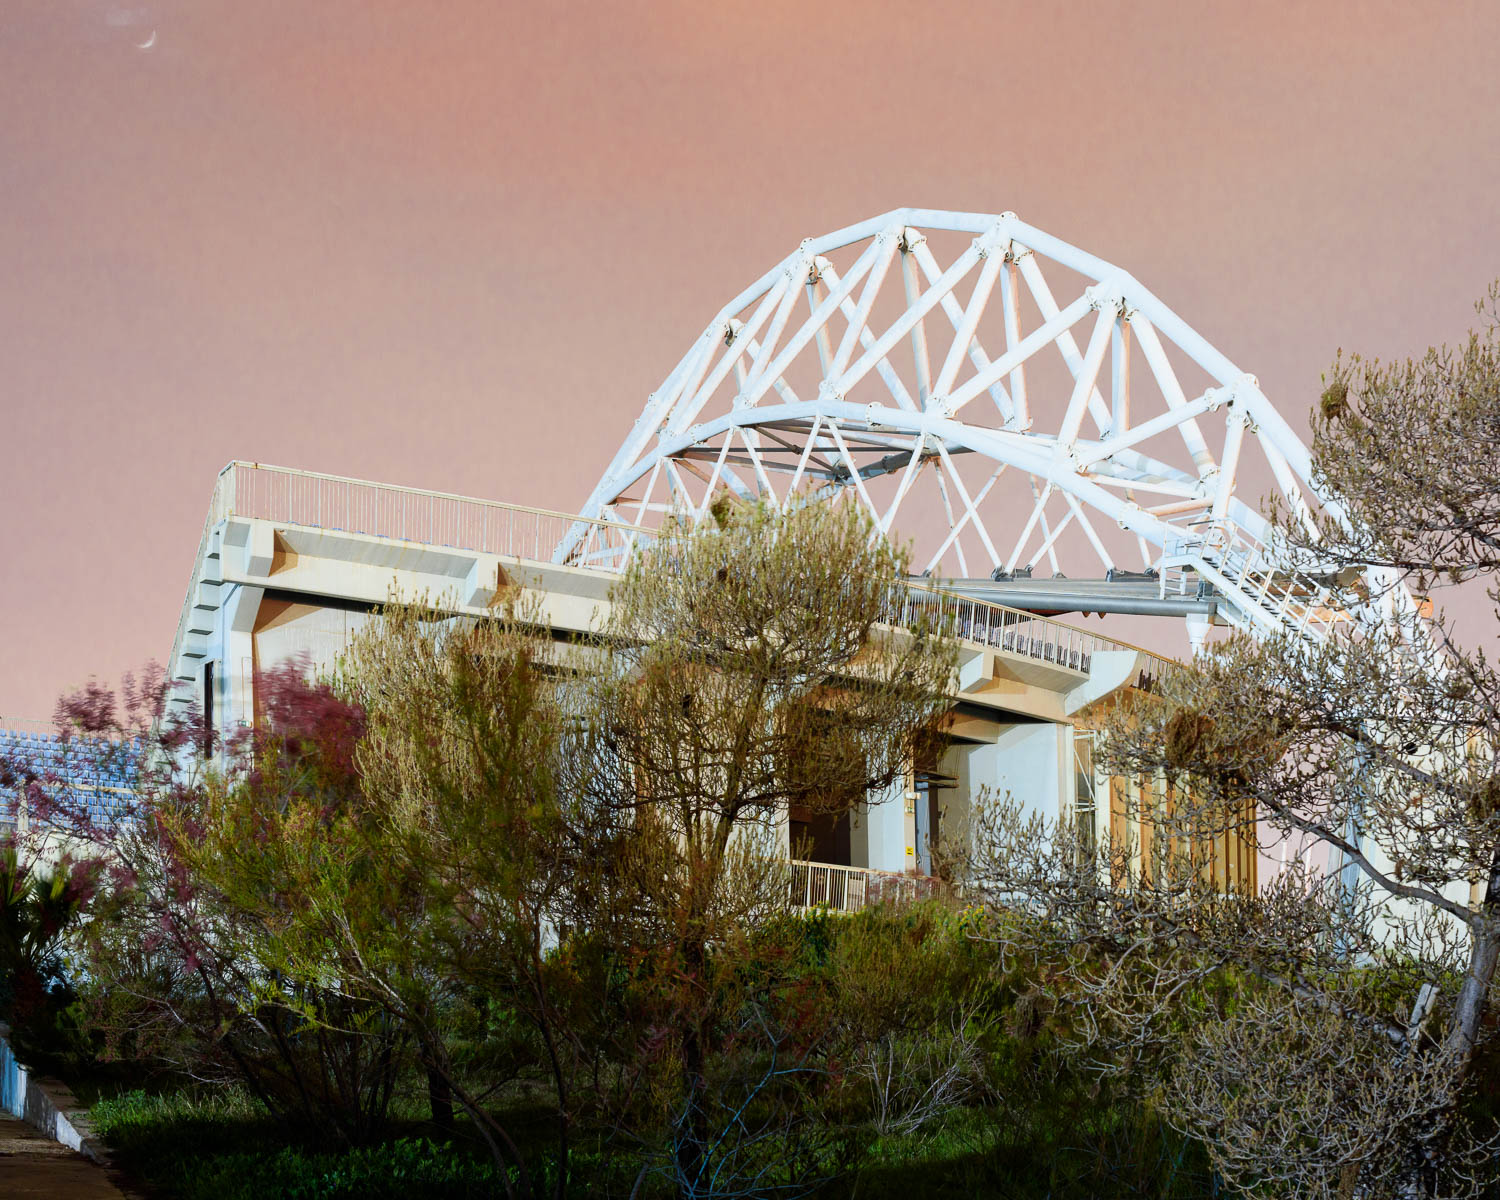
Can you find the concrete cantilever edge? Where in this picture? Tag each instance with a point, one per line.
(1109, 670)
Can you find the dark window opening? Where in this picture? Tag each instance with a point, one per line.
(820, 837)
(208, 707)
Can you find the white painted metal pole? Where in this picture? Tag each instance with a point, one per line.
(1119, 379)
(1013, 357)
(965, 332)
(1083, 384)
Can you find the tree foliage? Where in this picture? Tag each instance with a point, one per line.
(1319, 1035)
(750, 673)
(39, 904)
(529, 868)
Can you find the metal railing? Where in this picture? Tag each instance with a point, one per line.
(852, 889)
(309, 498)
(1014, 630)
(293, 497)
(1283, 581)
(23, 725)
(312, 499)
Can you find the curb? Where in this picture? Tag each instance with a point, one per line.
(46, 1105)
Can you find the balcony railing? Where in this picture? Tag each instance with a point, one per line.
(1014, 631)
(309, 498)
(852, 889)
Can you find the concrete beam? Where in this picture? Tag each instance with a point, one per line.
(1109, 670)
(242, 608)
(361, 567)
(260, 548)
(976, 668)
(485, 577)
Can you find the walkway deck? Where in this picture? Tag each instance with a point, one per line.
(32, 1165)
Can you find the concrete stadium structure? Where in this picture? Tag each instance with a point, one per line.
(922, 366)
(291, 563)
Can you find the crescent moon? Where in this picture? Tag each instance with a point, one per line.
(148, 43)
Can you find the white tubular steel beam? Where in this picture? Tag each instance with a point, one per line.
(783, 314)
(807, 449)
(1083, 385)
(885, 247)
(1041, 495)
(1171, 390)
(1290, 489)
(958, 546)
(1088, 529)
(913, 465)
(883, 368)
(1147, 429)
(1234, 441)
(921, 359)
(1057, 326)
(1119, 380)
(775, 387)
(816, 323)
(973, 513)
(955, 315)
(903, 325)
(713, 480)
(1049, 537)
(1010, 301)
(1042, 294)
(964, 334)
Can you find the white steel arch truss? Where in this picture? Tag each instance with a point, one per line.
(1033, 404)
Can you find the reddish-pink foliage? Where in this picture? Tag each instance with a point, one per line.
(308, 718)
(91, 709)
(98, 710)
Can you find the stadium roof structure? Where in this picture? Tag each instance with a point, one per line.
(1036, 406)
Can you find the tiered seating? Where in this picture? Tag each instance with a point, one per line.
(98, 775)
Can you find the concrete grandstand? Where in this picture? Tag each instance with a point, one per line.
(919, 353)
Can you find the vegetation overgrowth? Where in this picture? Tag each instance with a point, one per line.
(1006, 1115)
(485, 913)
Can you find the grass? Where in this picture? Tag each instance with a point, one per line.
(222, 1145)
(984, 1152)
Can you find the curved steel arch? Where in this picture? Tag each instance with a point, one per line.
(886, 371)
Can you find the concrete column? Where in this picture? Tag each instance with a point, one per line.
(241, 607)
(889, 836)
(1197, 630)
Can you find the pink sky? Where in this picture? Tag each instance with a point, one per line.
(455, 245)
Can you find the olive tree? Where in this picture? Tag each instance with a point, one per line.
(1322, 1034)
(752, 671)
(429, 888)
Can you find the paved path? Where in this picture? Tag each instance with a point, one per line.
(35, 1166)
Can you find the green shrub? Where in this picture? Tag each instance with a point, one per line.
(39, 904)
(222, 1145)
